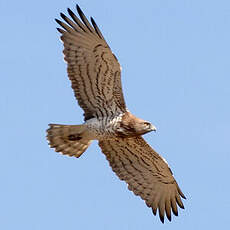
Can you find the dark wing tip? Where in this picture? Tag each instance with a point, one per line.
(63, 16)
(181, 194)
(58, 21)
(60, 30)
(93, 22)
(169, 218)
(70, 12)
(84, 19)
(79, 10)
(96, 28)
(179, 202)
(162, 218)
(175, 212)
(154, 211)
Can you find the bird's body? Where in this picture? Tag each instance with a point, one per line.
(95, 75)
(100, 129)
(122, 125)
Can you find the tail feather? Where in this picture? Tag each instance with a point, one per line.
(68, 139)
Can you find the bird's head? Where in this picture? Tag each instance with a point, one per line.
(133, 126)
(145, 127)
(141, 127)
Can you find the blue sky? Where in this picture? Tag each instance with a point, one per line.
(176, 74)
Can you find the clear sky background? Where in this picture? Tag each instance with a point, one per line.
(175, 57)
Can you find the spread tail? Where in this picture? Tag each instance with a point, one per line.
(68, 139)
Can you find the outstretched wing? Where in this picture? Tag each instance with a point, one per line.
(146, 173)
(92, 67)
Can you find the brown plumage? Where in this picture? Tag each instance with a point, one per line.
(95, 75)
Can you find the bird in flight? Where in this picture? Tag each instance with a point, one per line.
(95, 76)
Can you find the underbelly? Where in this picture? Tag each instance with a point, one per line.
(99, 131)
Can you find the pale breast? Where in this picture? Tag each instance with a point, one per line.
(104, 127)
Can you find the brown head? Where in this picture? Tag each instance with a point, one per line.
(133, 126)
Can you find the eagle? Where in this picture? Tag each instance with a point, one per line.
(95, 76)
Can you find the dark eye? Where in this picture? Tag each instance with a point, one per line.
(147, 123)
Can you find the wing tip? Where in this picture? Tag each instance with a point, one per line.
(169, 218)
(57, 20)
(71, 13)
(154, 210)
(60, 30)
(181, 193)
(162, 218)
(175, 212)
(93, 21)
(63, 16)
(80, 12)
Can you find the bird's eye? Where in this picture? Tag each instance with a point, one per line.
(147, 123)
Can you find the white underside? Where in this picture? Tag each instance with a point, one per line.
(104, 128)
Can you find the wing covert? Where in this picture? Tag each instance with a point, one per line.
(93, 69)
(146, 173)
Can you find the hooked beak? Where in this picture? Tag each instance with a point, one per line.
(153, 128)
